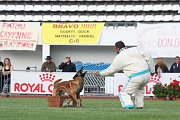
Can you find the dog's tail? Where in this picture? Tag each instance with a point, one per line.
(58, 80)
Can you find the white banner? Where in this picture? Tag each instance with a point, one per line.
(19, 35)
(37, 82)
(160, 40)
(121, 79)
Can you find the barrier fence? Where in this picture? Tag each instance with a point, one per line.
(94, 85)
(36, 82)
(22, 82)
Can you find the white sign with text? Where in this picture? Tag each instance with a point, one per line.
(160, 40)
(19, 35)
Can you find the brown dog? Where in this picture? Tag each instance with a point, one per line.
(71, 87)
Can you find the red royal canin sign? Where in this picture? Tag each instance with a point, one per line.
(36, 82)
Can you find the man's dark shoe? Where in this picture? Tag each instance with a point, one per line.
(139, 108)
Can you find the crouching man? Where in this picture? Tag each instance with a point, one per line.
(138, 66)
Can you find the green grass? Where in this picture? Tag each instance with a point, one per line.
(37, 109)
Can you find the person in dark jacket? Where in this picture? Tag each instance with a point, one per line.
(175, 67)
(161, 66)
(67, 65)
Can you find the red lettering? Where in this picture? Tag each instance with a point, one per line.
(31, 86)
(147, 91)
(42, 88)
(88, 25)
(24, 87)
(5, 25)
(29, 35)
(49, 88)
(6, 44)
(37, 88)
(11, 44)
(16, 87)
(14, 43)
(13, 25)
(20, 26)
(1, 34)
(119, 88)
(177, 42)
(65, 26)
(169, 42)
(16, 35)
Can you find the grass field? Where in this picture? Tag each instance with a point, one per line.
(37, 109)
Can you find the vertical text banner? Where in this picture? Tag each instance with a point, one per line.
(19, 35)
(71, 33)
(160, 40)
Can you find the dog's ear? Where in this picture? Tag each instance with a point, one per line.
(81, 70)
(75, 82)
(83, 74)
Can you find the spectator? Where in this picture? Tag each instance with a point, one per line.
(160, 67)
(138, 66)
(48, 66)
(1, 76)
(67, 65)
(175, 67)
(7, 68)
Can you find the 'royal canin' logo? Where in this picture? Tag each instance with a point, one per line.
(155, 78)
(47, 77)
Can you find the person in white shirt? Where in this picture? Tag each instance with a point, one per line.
(138, 66)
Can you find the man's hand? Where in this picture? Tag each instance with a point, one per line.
(66, 61)
(96, 74)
